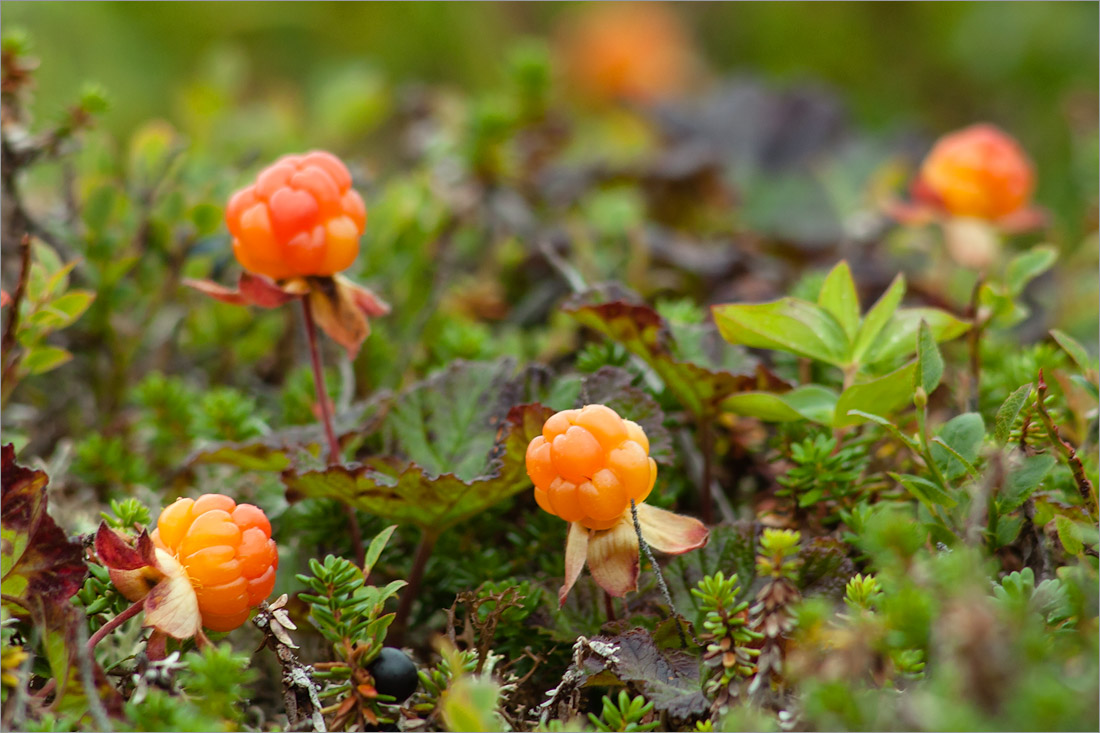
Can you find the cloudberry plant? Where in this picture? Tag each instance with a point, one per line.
(227, 551)
(301, 217)
(588, 464)
(592, 468)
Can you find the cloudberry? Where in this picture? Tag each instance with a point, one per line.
(978, 171)
(227, 551)
(627, 51)
(301, 217)
(588, 464)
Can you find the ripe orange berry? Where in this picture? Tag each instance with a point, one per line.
(978, 171)
(301, 217)
(639, 52)
(227, 551)
(588, 464)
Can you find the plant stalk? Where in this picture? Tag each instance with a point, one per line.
(355, 533)
(114, 623)
(416, 574)
(645, 548)
(706, 441)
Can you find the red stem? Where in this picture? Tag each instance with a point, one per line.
(706, 441)
(609, 606)
(114, 623)
(319, 383)
(416, 574)
(326, 420)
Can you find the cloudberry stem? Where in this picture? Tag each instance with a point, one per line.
(114, 623)
(609, 606)
(644, 546)
(706, 441)
(319, 383)
(416, 574)
(355, 533)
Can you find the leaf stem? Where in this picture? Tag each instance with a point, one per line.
(7, 343)
(1084, 485)
(416, 574)
(355, 533)
(645, 548)
(706, 446)
(114, 623)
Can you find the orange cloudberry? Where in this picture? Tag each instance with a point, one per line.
(588, 464)
(301, 217)
(979, 171)
(227, 552)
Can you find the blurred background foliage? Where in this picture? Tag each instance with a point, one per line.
(321, 70)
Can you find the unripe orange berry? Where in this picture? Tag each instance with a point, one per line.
(978, 171)
(301, 217)
(227, 551)
(588, 464)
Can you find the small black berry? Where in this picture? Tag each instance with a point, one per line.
(394, 674)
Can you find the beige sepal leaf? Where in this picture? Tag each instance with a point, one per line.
(613, 557)
(576, 552)
(671, 533)
(172, 606)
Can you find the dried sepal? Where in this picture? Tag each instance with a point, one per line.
(342, 309)
(251, 290)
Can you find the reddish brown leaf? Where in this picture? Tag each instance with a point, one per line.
(116, 553)
(39, 560)
(251, 290)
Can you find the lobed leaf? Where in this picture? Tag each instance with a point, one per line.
(700, 388)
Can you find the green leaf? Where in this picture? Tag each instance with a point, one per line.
(451, 452)
(1009, 409)
(964, 434)
(206, 217)
(811, 402)
(699, 387)
(1023, 480)
(789, 324)
(280, 449)
(879, 396)
(42, 359)
(762, 405)
(929, 361)
(879, 315)
(374, 551)
(63, 311)
(1073, 347)
(899, 337)
(98, 207)
(891, 427)
(925, 491)
(1069, 534)
(470, 704)
(968, 467)
(448, 423)
(1026, 266)
(838, 296)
